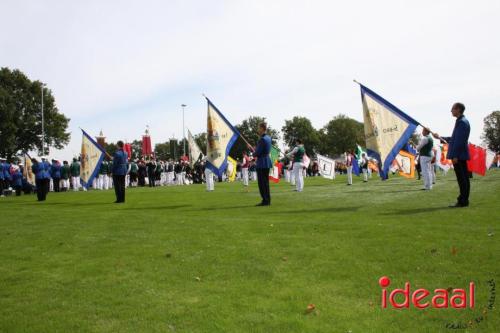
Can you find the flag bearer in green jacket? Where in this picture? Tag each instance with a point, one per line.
(74, 169)
(102, 180)
(65, 174)
(297, 154)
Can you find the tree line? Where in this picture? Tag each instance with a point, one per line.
(21, 126)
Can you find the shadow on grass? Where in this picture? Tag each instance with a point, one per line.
(221, 208)
(146, 208)
(403, 212)
(316, 210)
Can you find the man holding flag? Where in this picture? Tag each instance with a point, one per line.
(458, 152)
(120, 167)
(263, 164)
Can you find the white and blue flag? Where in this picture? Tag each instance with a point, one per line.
(221, 136)
(91, 158)
(387, 129)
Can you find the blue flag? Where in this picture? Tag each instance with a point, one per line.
(221, 136)
(387, 129)
(91, 158)
(355, 166)
(409, 148)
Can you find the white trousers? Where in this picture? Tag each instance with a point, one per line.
(244, 172)
(433, 172)
(100, 182)
(298, 173)
(209, 178)
(65, 183)
(106, 180)
(365, 175)
(425, 165)
(349, 175)
(254, 175)
(179, 178)
(287, 175)
(76, 183)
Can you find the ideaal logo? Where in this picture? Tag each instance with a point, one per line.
(441, 298)
(460, 298)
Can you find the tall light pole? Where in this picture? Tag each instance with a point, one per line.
(43, 124)
(183, 131)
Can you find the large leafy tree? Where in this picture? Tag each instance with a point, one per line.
(201, 141)
(21, 115)
(491, 131)
(301, 128)
(341, 134)
(110, 148)
(136, 147)
(249, 129)
(162, 150)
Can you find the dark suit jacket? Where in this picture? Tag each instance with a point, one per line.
(120, 163)
(262, 153)
(458, 143)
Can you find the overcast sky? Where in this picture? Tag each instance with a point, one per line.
(121, 65)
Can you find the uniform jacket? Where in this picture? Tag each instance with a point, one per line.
(262, 153)
(458, 143)
(120, 163)
(55, 170)
(41, 170)
(17, 178)
(75, 169)
(6, 171)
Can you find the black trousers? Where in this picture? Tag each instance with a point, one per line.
(56, 182)
(263, 180)
(42, 188)
(119, 184)
(1, 186)
(151, 178)
(463, 181)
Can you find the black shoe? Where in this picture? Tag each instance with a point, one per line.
(263, 204)
(457, 205)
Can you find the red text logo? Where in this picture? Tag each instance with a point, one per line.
(422, 298)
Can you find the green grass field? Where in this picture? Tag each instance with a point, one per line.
(179, 259)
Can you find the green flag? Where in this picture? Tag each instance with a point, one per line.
(274, 154)
(359, 151)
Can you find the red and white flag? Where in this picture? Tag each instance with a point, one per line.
(477, 162)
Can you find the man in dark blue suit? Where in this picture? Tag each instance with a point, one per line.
(458, 152)
(263, 164)
(120, 168)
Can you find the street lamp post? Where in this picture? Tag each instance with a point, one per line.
(183, 128)
(43, 125)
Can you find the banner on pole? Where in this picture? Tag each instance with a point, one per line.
(91, 158)
(221, 136)
(387, 129)
(326, 166)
